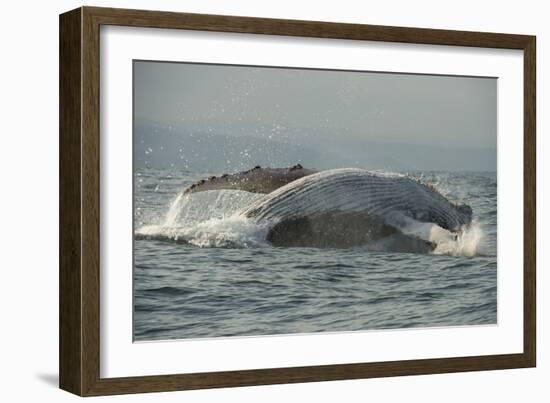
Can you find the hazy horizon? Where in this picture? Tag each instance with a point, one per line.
(225, 117)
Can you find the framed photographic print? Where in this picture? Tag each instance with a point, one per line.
(249, 201)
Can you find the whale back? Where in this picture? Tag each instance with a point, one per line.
(255, 180)
(386, 199)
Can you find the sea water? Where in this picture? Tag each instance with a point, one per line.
(200, 270)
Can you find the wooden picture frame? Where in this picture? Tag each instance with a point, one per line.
(79, 280)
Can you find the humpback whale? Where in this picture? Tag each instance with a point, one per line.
(344, 207)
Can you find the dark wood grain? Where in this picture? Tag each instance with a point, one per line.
(90, 201)
(70, 271)
(160, 383)
(80, 201)
(317, 29)
(530, 203)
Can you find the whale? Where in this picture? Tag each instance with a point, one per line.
(346, 207)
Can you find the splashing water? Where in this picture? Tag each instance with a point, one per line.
(208, 219)
(469, 242)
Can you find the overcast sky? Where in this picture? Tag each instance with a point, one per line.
(335, 109)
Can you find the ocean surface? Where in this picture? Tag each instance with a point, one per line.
(201, 272)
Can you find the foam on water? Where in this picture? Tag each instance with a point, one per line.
(469, 242)
(229, 232)
(208, 219)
